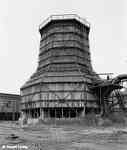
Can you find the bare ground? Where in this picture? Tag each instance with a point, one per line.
(59, 137)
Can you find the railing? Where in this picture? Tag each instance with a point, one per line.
(64, 17)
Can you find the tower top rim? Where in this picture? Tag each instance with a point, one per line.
(64, 17)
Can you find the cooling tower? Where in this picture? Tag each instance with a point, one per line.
(59, 88)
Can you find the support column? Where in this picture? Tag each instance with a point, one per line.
(28, 113)
(69, 113)
(54, 113)
(62, 112)
(34, 112)
(37, 112)
(41, 113)
(76, 113)
(29, 118)
(48, 113)
(83, 112)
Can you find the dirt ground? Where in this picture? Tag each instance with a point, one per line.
(59, 137)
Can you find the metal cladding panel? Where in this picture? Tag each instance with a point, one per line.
(64, 52)
(57, 95)
(91, 97)
(63, 39)
(52, 32)
(63, 79)
(54, 104)
(67, 104)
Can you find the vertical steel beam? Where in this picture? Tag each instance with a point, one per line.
(62, 112)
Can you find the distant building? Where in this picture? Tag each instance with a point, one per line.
(9, 106)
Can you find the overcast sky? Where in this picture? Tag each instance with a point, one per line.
(19, 36)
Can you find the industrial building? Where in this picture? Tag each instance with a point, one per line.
(64, 84)
(9, 106)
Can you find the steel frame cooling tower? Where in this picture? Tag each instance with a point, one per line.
(60, 86)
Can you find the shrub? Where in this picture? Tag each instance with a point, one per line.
(117, 117)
